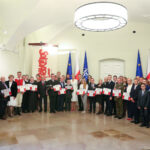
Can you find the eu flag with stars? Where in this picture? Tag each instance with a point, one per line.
(69, 68)
(85, 68)
(139, 67)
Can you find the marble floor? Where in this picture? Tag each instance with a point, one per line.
(71, 131)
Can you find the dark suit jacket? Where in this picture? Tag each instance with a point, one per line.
(42, 89)
(143, 100)
(50, 85)
(134, 92)
(62, 85)
(110, 85)
(90, 87)
(13, 88)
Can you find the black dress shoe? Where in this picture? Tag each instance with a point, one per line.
(147, 126)
(136, 122)
(40, 110)
(98, 113)
(54, 111)
(115, 116)
(132, 121)
(142, 125)
(119, 117)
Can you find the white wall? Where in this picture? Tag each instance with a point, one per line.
(122, 44)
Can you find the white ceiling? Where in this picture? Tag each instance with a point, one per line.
(18, 18)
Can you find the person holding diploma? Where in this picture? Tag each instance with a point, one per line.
(109, 98)
(52, 94)
(32, 97)
(12, 85)
(3, 99)
(118, 99)
(20, 82)
(84, 86)
(68, 95)
(143, 105)
(134, 97)
(74, 99)
(61, 97)
(99, 98)
(92, 86)
(42, 94)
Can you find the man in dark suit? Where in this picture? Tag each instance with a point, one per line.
(80, 103)
(109, 99)
(61, 98)
(42, 94)
(52, 94)
(143, 103)
(92, 86)
(134, 97)
(3, 99)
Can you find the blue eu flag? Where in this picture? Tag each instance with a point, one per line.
(85, 68)
(69, 68)
(139, 66)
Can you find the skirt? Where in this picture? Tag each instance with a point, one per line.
(12, 101)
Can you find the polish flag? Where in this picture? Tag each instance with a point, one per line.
(148, 67)
(77, 69)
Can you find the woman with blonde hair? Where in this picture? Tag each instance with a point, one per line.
(84, 86)
(12, 85)
(74, 83)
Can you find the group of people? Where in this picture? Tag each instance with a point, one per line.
(136, 108)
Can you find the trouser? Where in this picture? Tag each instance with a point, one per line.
(57, 103)
(31, 104)
(99, 100)
(80, 102)
(3, 106)
(68, 103)
(92, 104)
(119, 107)
(84, 101)
(61, 99)
(25, 101)
(52, 103)
(129, 108)
(144, 116)
(114, 106)
(109, 105)
(125, 107)
(136, 112)
(19, 100)
(45, 103)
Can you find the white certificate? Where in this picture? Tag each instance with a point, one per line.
(21, 88)
(57, 87)
(126, 96)
(6, 92)
(91, 93)
(98, 91)
(62, 91)
(117, 93)
(68, 87)
(81, 91)
(106, 91)
(28, 87)
(34, 87)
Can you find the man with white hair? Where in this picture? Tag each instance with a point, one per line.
(3, 98)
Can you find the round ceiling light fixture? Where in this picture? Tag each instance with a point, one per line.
(101, 16)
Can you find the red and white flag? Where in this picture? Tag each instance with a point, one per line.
(77, 69)
(148, 67)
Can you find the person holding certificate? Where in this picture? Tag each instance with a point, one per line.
(143, 105)
(118, 99)
(4, 97)
(99, 97)
(92, 99)
(42, 93)
(52, 93)
(134, 97)
(109, 99)
(84, 86)
(20, 82)
(12, 85)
